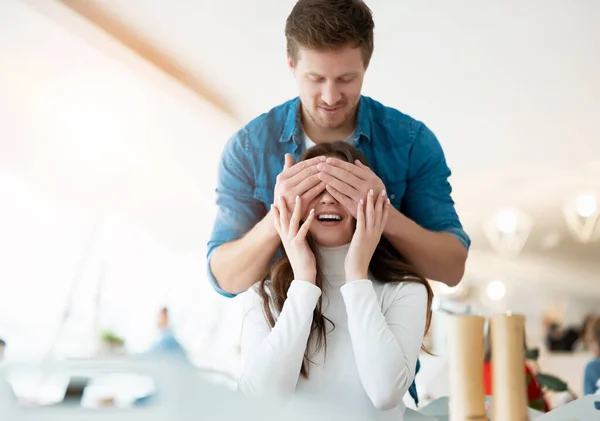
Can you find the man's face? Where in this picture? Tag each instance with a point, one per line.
(329, 83)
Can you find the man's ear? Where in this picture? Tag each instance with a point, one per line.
(291, 64)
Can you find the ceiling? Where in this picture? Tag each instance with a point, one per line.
(511, 89)
(503, 85)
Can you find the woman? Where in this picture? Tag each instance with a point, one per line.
(340, 316)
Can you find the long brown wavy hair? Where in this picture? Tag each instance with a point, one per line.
(387, 265)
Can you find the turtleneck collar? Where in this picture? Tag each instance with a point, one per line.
(332, 259)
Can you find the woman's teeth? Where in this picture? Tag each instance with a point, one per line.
(329, 217)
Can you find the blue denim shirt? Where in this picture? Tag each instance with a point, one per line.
(402, 151)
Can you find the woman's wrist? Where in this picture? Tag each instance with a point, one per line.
(306, 276)
(356, 274)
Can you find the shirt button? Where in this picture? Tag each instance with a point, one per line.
(392, 196)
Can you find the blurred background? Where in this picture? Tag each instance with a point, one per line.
(113, 115)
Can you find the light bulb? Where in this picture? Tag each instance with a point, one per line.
(586, 205)
(506, 221)
(496, 290)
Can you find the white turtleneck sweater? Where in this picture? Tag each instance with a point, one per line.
(371, 354)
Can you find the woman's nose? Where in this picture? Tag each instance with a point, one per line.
(327, 199)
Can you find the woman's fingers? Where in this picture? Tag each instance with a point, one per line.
(303, 231)
(276, 218)
(386, 213)
(370, 211)
(284, 219)
(379, 206)
(360, 216)
(295, 219)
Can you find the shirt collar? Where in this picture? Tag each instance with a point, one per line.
(364, 116)
(292, 129)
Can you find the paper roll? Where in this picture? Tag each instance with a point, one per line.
(465, 352)
(508, 368)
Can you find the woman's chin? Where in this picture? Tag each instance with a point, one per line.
(332, 242)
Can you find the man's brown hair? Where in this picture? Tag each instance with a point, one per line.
(328, 25)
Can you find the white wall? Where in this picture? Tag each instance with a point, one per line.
(504, 85)
(87, 139)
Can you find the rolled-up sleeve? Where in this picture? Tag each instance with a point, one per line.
(428, 200)
(237, 208)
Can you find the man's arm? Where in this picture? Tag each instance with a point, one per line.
(440, 256)
(243, 239)
(239, 264)
(428, 231)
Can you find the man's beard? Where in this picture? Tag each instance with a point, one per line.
(330, 123)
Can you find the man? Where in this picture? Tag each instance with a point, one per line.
(329, 45)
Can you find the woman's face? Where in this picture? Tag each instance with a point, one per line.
(332, 226)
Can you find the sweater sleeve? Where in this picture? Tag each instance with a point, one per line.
(386, 346)
(272, 358)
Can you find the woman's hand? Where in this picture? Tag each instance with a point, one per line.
(370, 221)
(294, 241)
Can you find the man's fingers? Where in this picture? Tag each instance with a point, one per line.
(340, 186)
(306, 185)
(342, 199)
(341, 174)
(303, 175)
(313, 192)
(362, 173)
(289, 161)
(300, 166)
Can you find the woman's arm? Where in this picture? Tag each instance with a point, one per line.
(272, 358)
(386, 346)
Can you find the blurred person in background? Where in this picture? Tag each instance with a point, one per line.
(560, 338)
(2, 349)
(591, 377)
(340, 318)
(167, 344)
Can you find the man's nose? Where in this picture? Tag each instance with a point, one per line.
(330, 94)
